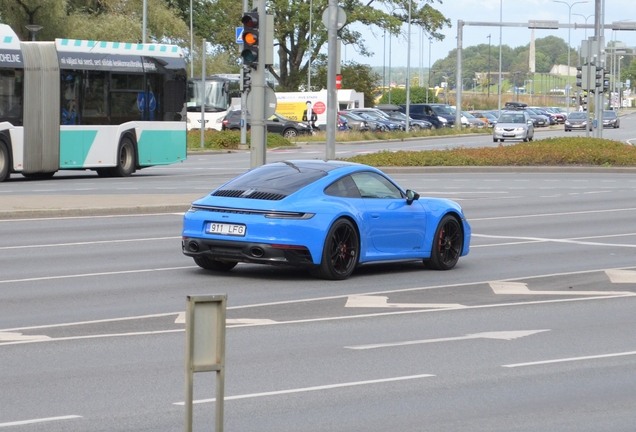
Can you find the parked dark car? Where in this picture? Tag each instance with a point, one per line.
(439, 115)
(275, 124)
(610, 119)
(379, 117)
(552, 118)
(357, 123)
(414, 124)
(539, 120)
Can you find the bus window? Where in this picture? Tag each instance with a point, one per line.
(11, 94)
(95, 92)
(69, 88)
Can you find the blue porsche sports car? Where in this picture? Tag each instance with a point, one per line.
(327, 216)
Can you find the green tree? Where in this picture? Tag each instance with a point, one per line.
(416, 95)
(291, 32)
(356, 76)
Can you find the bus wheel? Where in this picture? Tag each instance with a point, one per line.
(125, 158)
(4, 161)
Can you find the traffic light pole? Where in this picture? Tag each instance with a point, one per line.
(332, 92)
(257, 109)
(243, 141)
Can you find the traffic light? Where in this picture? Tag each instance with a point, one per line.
(606, 80)
(247, 79)
(250, 39)
(579, 76)
(599, 77)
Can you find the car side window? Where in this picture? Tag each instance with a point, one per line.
(345, 188)
(373, 185)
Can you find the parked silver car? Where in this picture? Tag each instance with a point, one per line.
(513, 125)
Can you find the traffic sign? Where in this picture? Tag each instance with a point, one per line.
(239, 35)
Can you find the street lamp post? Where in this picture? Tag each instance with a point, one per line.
(428, 84)
(585, 18)
(567, 86)
(488, 84)
(408, 73)
(33, 29)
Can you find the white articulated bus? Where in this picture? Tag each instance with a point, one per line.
(72, 104)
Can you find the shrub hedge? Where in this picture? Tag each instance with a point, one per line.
(579, 151)
(229, 140)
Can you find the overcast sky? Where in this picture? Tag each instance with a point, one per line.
(513, 11)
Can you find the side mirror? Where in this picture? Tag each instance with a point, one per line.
(411, 196)
(530, 122)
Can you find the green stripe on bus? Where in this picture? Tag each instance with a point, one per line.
(74, 147)
(161, 147)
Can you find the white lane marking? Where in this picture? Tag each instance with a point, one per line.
(40, 420)
(519, 288)
(621, 276)
(552, 214)
(93, 336)
(316, 388)
(401, 290)
(95, 274)
(363, 301)
(501, 335)
(327, 319)
(543, 241)
(181, 319)
(88, 243)
(9, 336)
(571, 359)
(86, 217)
(570, 241)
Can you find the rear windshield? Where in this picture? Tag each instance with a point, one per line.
(577, 115)
(282, 178)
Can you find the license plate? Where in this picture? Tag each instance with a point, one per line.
(226, 229)
(508, 134)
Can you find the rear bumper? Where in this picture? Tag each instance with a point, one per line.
(237, 251)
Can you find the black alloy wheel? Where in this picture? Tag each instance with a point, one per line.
(448, 244)
(341, 252)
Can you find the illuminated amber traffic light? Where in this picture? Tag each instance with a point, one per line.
(250, 39)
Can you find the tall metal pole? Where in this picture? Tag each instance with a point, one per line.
(191, 43)
(203, 94)
(408, 72)
(567, 86)
(311, 17)
(500, 36)
(144, 20)
(390, 38)
(332, 92)
(244, 108)
(488, 83)
(258, 130)
(428, 83)
(458, 79)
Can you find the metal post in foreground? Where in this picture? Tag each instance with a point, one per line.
(203, 95)
(332, 92)
(257, 94)
(205, 350)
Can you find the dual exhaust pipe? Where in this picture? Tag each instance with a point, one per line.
(255, 251)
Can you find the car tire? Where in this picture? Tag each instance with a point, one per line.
(125, 158)
(341, 251)
(235, 129)
(447, 246)
(290, 133)
(5, 163)
(416, 128)
(211, 264)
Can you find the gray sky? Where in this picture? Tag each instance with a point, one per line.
(513, 11)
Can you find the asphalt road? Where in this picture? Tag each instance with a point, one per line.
(533, 330)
